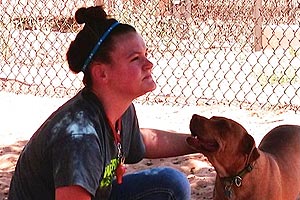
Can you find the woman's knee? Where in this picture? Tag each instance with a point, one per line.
(174, 181)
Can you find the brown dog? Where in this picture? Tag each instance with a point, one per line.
(269, 172)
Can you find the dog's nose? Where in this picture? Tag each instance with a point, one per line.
(195, 123)
(195, 116)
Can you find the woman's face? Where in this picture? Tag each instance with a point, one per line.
(130, 70)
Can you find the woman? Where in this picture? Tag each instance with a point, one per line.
(80, 150)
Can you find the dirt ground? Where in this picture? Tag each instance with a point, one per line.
(21, 115)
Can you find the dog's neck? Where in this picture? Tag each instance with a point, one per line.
(236, 180)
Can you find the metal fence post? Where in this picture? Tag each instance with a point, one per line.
(188, 12)
(99, 2)
(258, 25)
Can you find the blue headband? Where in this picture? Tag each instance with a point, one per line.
(95, 49)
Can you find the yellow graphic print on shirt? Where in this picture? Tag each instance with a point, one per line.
(109, 173)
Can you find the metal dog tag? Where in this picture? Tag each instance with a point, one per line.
(238, 181)
(228, 192)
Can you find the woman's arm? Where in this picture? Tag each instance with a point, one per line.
(73, 192)
(162, 144)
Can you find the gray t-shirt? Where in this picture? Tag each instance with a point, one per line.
(75, 146)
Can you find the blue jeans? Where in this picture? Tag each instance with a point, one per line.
(161, 183)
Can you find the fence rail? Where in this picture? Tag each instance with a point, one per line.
(244, 53)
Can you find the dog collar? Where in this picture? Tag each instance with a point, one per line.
(235, 180)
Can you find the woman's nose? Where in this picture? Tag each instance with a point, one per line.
(148, 64)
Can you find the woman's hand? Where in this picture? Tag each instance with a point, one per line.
(162, 144)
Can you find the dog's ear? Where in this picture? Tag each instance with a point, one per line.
(249, 148)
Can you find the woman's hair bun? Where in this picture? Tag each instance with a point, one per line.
(84, 15)
(80, 15)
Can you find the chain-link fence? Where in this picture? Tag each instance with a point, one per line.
(244, 53)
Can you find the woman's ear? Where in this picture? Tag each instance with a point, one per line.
(98, 72)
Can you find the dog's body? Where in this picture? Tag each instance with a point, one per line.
(269, 172)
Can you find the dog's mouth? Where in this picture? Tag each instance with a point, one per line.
(203, 145)
(200, 139)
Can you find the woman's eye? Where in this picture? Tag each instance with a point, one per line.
(135, 58)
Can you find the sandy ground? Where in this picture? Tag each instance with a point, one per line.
(21, 115)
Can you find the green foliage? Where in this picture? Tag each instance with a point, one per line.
(294, 52)
(5, 43)
(286, 77)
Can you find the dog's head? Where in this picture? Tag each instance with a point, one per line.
(223, 141)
